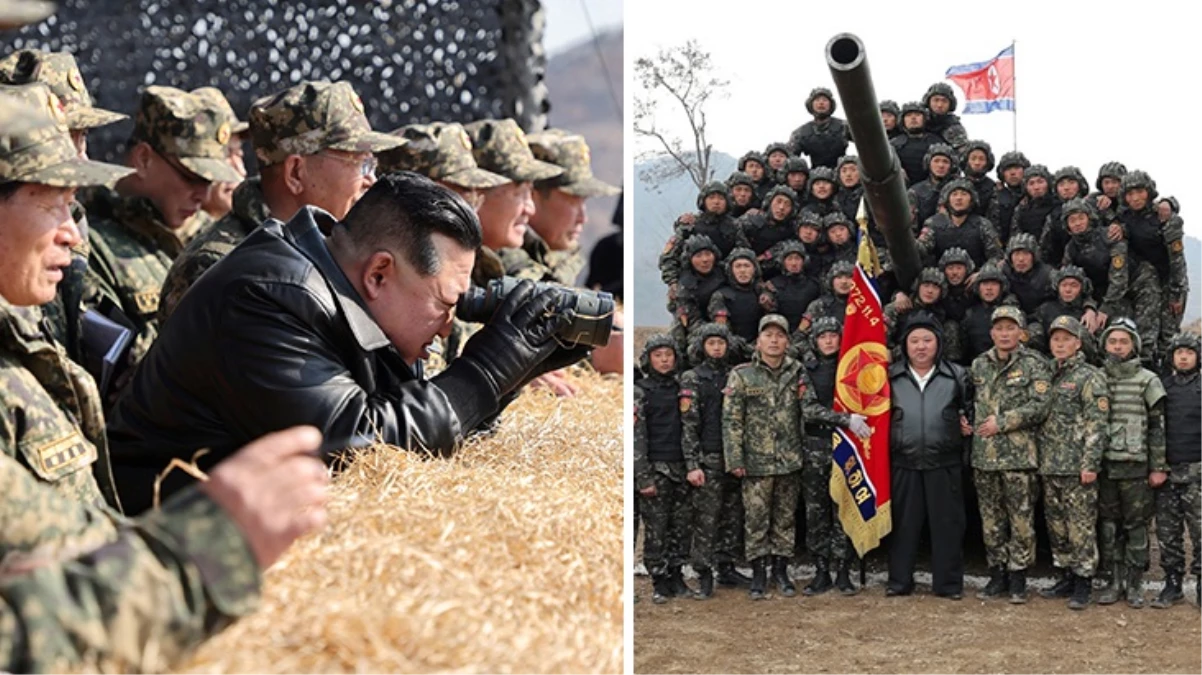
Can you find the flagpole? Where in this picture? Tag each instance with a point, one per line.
(1014, 89)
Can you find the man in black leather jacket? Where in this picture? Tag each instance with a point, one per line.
(932, 402)
(293, 327)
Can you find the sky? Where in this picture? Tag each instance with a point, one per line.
(567, 21)
(1093, 83)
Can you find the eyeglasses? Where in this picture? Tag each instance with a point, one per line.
(367, 165)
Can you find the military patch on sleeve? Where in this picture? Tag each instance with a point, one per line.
(668, 245)
(147, 301)
(801, 388)
(1176, 246)
(1041, 386)
(685, 404)
(1117, 262)
(64, 452)
(1104, 404)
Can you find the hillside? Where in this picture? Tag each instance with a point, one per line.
(581, 102)
(656, 207)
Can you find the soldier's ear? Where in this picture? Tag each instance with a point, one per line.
(294, 174)
(141, 157)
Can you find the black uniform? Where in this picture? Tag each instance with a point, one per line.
(911, 151)
(1001, 210)
(793, 294)
(1032, 288)
(824, 142)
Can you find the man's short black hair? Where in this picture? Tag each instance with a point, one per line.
(7, 190)
(403, 210)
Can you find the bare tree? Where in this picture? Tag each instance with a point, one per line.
(681, 76)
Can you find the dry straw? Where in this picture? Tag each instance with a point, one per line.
(505, 558)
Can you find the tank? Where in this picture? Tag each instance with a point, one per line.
(880, 170)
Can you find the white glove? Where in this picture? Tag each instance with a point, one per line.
(859, 426)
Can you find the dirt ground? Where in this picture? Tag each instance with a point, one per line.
(921, 633)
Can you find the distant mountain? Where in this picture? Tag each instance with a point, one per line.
(581, 101)
(656, 207)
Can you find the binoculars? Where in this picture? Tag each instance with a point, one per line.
(592, 311)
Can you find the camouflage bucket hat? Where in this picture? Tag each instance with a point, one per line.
(570, 152)
(184, 126)
(1066, 323)
(213, 97)
(440, 152)
(311, 117)
(1009, 312)
(774, 320)
(17, 13)
(501, 147)
(39, 149)
(59, 72)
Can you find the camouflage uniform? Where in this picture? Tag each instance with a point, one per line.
(1114, 170)
(1136, 448)
(947, 125)
(1001, 209)
(718, 504)
(1070, 442)
(824, 138)
(660, 461)
(825, 539)
(61, 74)
(985, 187)
(1039, 331)
(534, 260)
(725, 232)
(1055, 234)
(132, 247)
(202, 220)
(280, 125)
(975, 234)
(1016, 393)
(1179, 498)
(1104, 262)
(924, 196)
(763, 427)
(80, 582)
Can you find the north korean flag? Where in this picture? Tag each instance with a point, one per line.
(988, 85)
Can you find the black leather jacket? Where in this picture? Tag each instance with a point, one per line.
(925, 430)
(273, 336)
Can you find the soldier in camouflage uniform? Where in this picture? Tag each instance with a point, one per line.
(701, 278)
(80, 581)
(1010, 170)
(736, 304)
(1069, 184)
(1108, 197)
(329, 169)
(891, 118)
(1012, 398)
(1072, 288)
(929, 294)
(60, 72)
(851, 189)
(221, 195)
(777, 154)
(1103, 261)
(990, 290)
(833, 303)
(924, 196)
(791, 292)
(824, 138)
(1179, 499)
(550, 250)
(177, 150)
(768, 403)
(958, 226)
(1031, 213)
(713, 220)
(826, 541)
(912, 145)
(1030, 278)
(1159, 282)
(763, 231)
(820, 192)
(755, 166)
(742, 194)
(797, 175)
(940, 102)
(957, 267)
(500, 146)
(1134, 464)
(662, 472)
(1070, 457)
(717, 502)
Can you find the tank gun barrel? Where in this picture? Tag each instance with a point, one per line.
(880, 170)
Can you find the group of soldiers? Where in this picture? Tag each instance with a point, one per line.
(101, 257)
(1059, 308)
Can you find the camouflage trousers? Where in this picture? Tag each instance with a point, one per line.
(666, 522)
(717, 520)
(825, 537)
(770, 514)
(1071, 511)
(1007, 503)
(1147, 299)
(1124, 509)
(1179, 500)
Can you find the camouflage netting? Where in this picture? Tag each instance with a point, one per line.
(410, 60)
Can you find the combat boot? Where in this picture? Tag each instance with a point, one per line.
(1171, 594)
(1135, 588)
(1082, 586)
(996, 585)
(729, 577)
(705, 587)
(1063, 588)
(1113, 589)
(1018, 587)
(661, 589)
(780, 574)
(759, 578)
(822, 578)
(843, 579)
(678, 586)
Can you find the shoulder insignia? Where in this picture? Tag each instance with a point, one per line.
(1041, 386)
(685, 404)
(1176, 246)
(1104, 404)
(1117, 262)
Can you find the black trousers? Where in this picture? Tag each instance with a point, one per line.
(932, 497)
